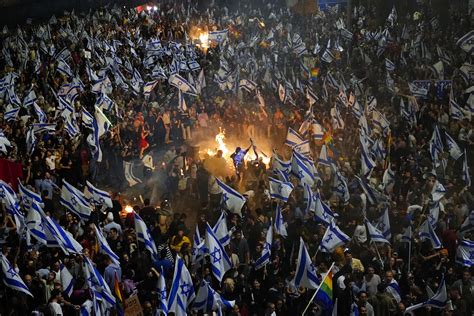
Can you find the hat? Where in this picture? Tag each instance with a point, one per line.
(110, 216)
(347, 250)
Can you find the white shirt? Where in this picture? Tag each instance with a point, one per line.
(55, 309)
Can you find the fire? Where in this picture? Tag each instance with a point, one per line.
(204, 39)
(200, 37)
(226, 153)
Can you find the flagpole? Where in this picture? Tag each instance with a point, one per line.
(378, 254)
(409, 255)
(317, 290)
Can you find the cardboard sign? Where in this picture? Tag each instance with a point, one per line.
(132, 306)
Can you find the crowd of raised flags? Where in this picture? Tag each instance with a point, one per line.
(303, 176)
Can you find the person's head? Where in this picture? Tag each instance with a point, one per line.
(270, 309)
(113, 233)
(370, 270)
(56, 295)
(388, 277)
(256, 284)
(147, 308)
(219, 154)
(363, 297)
(348, 255)
(466, 276)
(362, 310)
(28, 279)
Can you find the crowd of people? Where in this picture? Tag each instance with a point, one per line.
(370, 119)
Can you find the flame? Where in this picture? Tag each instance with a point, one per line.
(226, 153)
(204, 39)
(128, 209)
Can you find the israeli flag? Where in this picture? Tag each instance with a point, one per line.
(465, 171)
(311, 96)
(71, 128)
(182, 289)
(455, 110)
(375, 234)
(64, 239)
(339, 185)
(247, 85)
(454, 150)
(218, 36)
(198, 248)
(467, 42)
(4, 143)
(11, 115)
(305, 271)
(426, 232)
(328, 56)
(221, 231)
(40, 113)
(29, 197)
(309, 199)
(87, 119)
(10, 200)
(74, 201)
(367, 162)
(280, 190)
(324, 159)
(67, 281)
(34, 223)
(11, 278)
(267, 249)
(407, 234)
(418, 92)
(279, 165)
(182, 84)
(333, 238)
(337, 121)
(39, 128)
(220, 262)
(103, 123)
(143, 235)
(280, 226)
(438, 300)
(389, 65)
(97, 196)
(293, 138)
(393, 289)
(303, 169)
(468, 224)
(231, 200)
(12, 97)
(383, 224)
(104, 102)
(30, 98)
(104, 246)
(208, 300)
(162, 295)
(437, 192)
(149, 86)
(317, 131)
(322, 212)
(388, 179)
(465, 253)
(64, 68)
(97, 284)
(158, 73)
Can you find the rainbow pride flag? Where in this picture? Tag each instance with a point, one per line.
(324, 295)
(314, 73)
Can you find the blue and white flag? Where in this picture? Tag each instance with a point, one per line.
(388, 179)
(181, 102)
(267, 249)
(39, 128)
(437, 192)
(465, 171)
(29, 197)
(426, 232)
(454, 150)
(198, 248)
(418, 92)
(97, 284)
(11, 278)
(371, 194)
(383, 224)
(97, 196)
(219, 259)
(148, 87)
(293, 138)
(305, 271)
(162, 295)
(10, 200)
(136, 82)
(375, 234)
(302, 169)
(143, 235)
(30, 98)
(317, 130)
(309, 199)
(34, 224)
(221, 231)
(467, 42)
(389, 65)
(104, 246)
(393, 289)
(366, 160)
(231, 200)
(407, 234)
(11, 115)
(247, 85)
(333, 238)
(74, 201)
(64, 68)
(4, 143)
(340, 186)
(280, 190)
(438, 300)
(87, 119)
(71, 128)
(218, 36)
(280, 227)
(104, 102)
(67, 281)
(279, 165)
(336, 117)
(208, 300)
(324, 159)
(42, 118)
(456, 112)
(182, 84)
(327, 56)
(182, 289)
(63, 238)
(468, 224)
(322, 212)
(465, 253)
(103, 123)
(303, 148)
